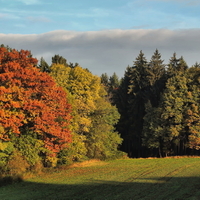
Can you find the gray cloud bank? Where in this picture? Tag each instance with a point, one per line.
(109, 51)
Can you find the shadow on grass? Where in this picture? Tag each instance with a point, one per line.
(154, 188)
(8, 180)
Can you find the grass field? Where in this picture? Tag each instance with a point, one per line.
(165, 178)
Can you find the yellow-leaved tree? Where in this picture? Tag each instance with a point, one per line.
(93, 116)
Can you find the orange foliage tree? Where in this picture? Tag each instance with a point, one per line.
(31, 100)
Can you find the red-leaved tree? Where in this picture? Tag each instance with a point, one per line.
(31, 100)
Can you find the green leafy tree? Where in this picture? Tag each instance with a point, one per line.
(103, 140)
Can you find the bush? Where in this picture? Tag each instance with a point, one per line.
(37, 168)
(29, 146)
(50, 161)
(17, 165)
(76, 151)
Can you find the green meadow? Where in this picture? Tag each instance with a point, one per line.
(164, 178)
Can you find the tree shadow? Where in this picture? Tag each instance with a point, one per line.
(151, 188)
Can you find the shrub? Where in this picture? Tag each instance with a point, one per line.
(17, 165)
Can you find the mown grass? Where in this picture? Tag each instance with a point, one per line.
(166, 178)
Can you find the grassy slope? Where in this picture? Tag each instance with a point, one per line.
(169, 178)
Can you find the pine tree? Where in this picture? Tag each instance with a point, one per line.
(43, 66)
(138, 89)
(156, 77)
(122, 98)
(164, 127)
(176, 65)
(192, 119)
(57, 59)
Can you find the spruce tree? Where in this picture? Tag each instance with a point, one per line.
(157, 77)
(138, 90)
(57, 59)
(43, 66)
(122, 99)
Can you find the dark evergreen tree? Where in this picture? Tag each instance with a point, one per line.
(193, 110)
(105, 80)
(114, 82)
(164, 125)
(176, 65)
(138, 89)
(43, 66)
(57, 59)
(157, 78)
(122, 99)
(73, 65)
(147, 81)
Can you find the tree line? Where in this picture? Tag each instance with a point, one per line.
(158, 105)
(60, 113)
(52, 115)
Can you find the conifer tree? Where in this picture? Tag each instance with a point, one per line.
(105, 80)
(164, 126)
(57, 59)
(192, 118)
(43, 66)
(156, 77)
(122, 99)
(138, 89)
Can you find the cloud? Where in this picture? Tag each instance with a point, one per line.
(2, 15)
(187, 2)
(30, 2)
(108, 51)
(38, 19)
(9, 16)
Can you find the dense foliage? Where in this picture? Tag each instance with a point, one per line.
(159, 107)
(93, 116)
(34, 112)
(52, 114)
(60, 113)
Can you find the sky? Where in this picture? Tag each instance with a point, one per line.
(104, 36)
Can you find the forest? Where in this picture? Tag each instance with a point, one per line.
(56, 114)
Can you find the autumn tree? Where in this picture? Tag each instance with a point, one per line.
(34, 112)
(93, 116)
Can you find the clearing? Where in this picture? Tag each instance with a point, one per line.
(164, 178)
